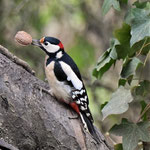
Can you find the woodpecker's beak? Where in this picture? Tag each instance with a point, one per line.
(36, 42)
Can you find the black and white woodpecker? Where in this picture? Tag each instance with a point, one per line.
(65, 80)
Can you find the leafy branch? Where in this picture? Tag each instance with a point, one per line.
(130, 42)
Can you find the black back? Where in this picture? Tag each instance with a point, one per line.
(59, 73)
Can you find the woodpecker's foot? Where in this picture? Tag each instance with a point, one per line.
(51, 93)
(43, 90)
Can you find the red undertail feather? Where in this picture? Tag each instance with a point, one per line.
(75, 107)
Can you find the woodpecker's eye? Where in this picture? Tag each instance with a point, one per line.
(46, 43)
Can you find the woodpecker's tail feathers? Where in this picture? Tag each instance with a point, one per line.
(88, 125)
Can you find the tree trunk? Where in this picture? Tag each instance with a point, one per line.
(31, 119)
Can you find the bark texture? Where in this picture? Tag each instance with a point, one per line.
(31, 119)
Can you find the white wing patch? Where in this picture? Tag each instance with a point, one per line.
(59, 54)
(71, 76)
(81, 99)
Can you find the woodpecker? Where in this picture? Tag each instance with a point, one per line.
(65, 80)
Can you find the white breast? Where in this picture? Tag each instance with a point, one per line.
(59, 89)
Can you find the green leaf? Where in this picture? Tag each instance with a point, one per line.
(142, 46)
(118, 103)
(143, 88)
(123, 36)
(118, 147)
(143, 105)
(108, 4)
(113, 53)
(103, 57)
(146, 47)
(132, 133)
(130, 67)
(122, 82)
(103, 64)
(130, 15)
(140, 4)
(123, 1)
(102, 105)
(122, 51)
(140, 25)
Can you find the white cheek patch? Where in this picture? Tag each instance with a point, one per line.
(51, 48)
(71, 76)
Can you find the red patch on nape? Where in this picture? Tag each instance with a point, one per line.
(61, 45)
(75, 107)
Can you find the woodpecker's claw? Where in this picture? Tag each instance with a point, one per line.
(36, 42)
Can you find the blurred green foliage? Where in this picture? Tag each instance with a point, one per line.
(83, 53)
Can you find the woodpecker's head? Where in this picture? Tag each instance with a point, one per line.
(50, 45)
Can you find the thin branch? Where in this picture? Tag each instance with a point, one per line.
(142, 47)
(20, 6)
(96, 84)
(144, 111)
(99, 84)
(143, 67)
(146, 59)
(16, 60)
(146, 45)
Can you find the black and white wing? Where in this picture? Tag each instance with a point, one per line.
(79, 94)
(69, 73)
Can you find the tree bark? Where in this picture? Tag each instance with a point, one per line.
(31, 119)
